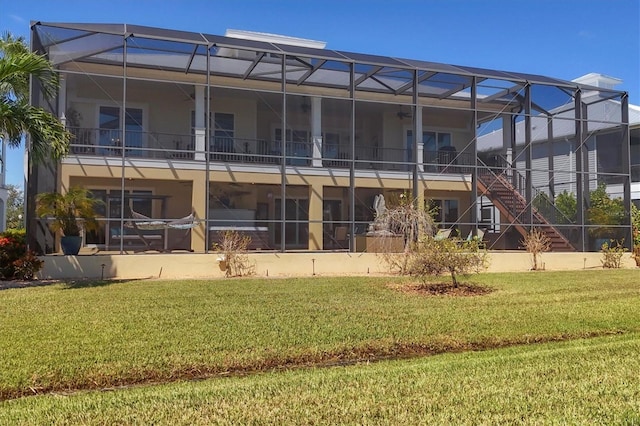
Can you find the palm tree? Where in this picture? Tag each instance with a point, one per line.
(49, 139)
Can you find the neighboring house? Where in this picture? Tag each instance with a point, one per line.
(290, 143)
(553, 166)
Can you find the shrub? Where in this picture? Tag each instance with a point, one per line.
(27, 266)
(450, 255)
(536, 242)
(234, 259)
(12, 247)
(612, 254)
(635, 222)
(15, 261)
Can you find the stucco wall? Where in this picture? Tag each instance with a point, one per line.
(280, 264)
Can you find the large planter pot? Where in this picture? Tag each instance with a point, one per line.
(71, 245)
(598, 242)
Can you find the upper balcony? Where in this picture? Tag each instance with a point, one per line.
(107, 143)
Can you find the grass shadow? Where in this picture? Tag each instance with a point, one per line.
(80, 284)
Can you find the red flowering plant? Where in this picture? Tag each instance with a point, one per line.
(15, 260)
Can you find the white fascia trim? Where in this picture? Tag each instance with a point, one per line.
(270, 169)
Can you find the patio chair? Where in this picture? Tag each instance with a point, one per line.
(442, 234)
(479, 237)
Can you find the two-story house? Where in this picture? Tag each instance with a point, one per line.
(290, 142)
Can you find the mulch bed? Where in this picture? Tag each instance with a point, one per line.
(442, 289)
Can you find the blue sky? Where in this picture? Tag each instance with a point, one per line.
(558, 38)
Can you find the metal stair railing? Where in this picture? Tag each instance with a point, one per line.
(515, 201)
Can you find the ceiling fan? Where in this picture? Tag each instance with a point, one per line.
(402, 115)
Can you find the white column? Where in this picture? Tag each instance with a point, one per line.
(200, 132)
(418, 139)
(316, 131)
(62, 100)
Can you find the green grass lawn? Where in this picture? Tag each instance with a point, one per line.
(592, 381)
(103, 334)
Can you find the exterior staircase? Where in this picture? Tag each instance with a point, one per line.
(513, 206)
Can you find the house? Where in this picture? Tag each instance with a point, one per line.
(290, 143)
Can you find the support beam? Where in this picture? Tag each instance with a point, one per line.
(581, 205)
(528, 154)
(550, 152)
(625, 139)
(474, 138)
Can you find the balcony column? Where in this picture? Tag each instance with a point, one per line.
(315, 216)
(316, 131)
(62, 100)
(200, 129)
(199, 204)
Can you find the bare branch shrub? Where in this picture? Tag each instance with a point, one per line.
(399, 228)
(234, 258)
(612, 254)
(450, 255)
(536, 242)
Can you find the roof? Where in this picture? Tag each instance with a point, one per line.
(251, 57)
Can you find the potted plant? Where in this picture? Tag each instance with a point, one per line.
(69, 213)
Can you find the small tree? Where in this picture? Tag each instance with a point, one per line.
(450, 255)
(567, 204)
(405, 220)
(605, 210)
(536, 243)
(15, 207)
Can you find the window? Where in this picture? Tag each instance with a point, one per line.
(447, 211)
(112, 201)
(432, 142)
(435, 141)
(296, 226)
(298, 146)
(110, 135)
